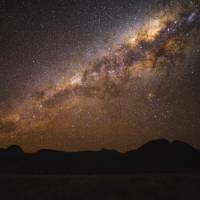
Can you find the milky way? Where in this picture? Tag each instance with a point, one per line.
(144, 87)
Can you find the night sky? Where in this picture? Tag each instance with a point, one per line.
(87, 74)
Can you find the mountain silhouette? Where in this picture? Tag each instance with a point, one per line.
(154, 156)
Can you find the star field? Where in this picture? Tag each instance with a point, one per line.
(82, 75)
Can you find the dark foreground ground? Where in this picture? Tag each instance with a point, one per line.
(99, 187)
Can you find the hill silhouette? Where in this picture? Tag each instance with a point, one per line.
(154, 156)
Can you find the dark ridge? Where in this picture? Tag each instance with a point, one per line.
(154, 156)
(182, 145)
(161, 144)
(15, 150)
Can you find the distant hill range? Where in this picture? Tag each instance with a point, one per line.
(154, 156)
